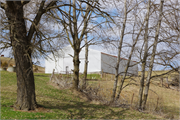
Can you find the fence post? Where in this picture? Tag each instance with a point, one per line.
(132, 100)
(167, 80)
(52, 75)
(161, 81)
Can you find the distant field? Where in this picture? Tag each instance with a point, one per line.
(61, 104)
(161, 72)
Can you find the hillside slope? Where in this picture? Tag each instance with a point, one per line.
(58, 104)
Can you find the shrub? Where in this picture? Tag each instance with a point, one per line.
(36, 69)
(11, 65)
(4, 64)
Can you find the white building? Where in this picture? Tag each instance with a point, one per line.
(98, 62)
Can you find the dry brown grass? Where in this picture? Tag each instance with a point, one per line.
(161, 100)
(161, 72)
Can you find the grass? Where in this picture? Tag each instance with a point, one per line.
(58, 104)
(168, 99)
(160, 72)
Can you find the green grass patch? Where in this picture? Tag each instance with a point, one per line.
(94, 76)
(58, 104)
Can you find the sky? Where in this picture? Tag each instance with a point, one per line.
(127, 39)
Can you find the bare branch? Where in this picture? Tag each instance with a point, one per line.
(24, 2)
(3, 5)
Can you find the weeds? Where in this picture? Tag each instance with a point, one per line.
(64, 82)
(99, 92)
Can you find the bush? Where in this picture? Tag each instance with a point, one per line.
(4, 64)
(11, 65)
(35, 69)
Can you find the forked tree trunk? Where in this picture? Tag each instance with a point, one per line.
(128, 63)
(152, 56)
(26, 98)
(144, 58)
(119, 54)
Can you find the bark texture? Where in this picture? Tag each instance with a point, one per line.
(76, 70)
(144, 58)
(76, 47)
(26, 98)
(152, 56)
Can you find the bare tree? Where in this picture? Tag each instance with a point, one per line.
(85, 63)
(126, 10)
(75, 23)
(22, 49)
(144, 57)
(129, 61)
(153, 55)
(119, 53)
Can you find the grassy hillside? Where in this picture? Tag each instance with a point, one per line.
(12, 62)
(6, 59)
(168, 100)
(160, 72)
(58, 104)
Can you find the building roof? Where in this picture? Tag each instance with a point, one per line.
(115, 56)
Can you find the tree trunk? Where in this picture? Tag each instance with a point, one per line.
(119, 54)
(144, 58)
(153, 56)
(86, 63)
(76, 70)
(26, 98)
(76, 47)
(128, 63)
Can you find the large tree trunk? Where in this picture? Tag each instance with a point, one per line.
(144, 58)
(152, 57)
(76, 70)
(76, 47)
(26, 98)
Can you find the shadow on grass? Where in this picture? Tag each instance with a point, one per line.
(79, 110)
(173, 110)
(41, 75)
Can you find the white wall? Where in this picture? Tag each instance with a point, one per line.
(94, 58)
(49, 65)
(65, 59)
(97, 61)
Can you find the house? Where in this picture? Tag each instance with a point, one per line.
(98, 62)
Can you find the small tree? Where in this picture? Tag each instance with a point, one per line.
(75, 19)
